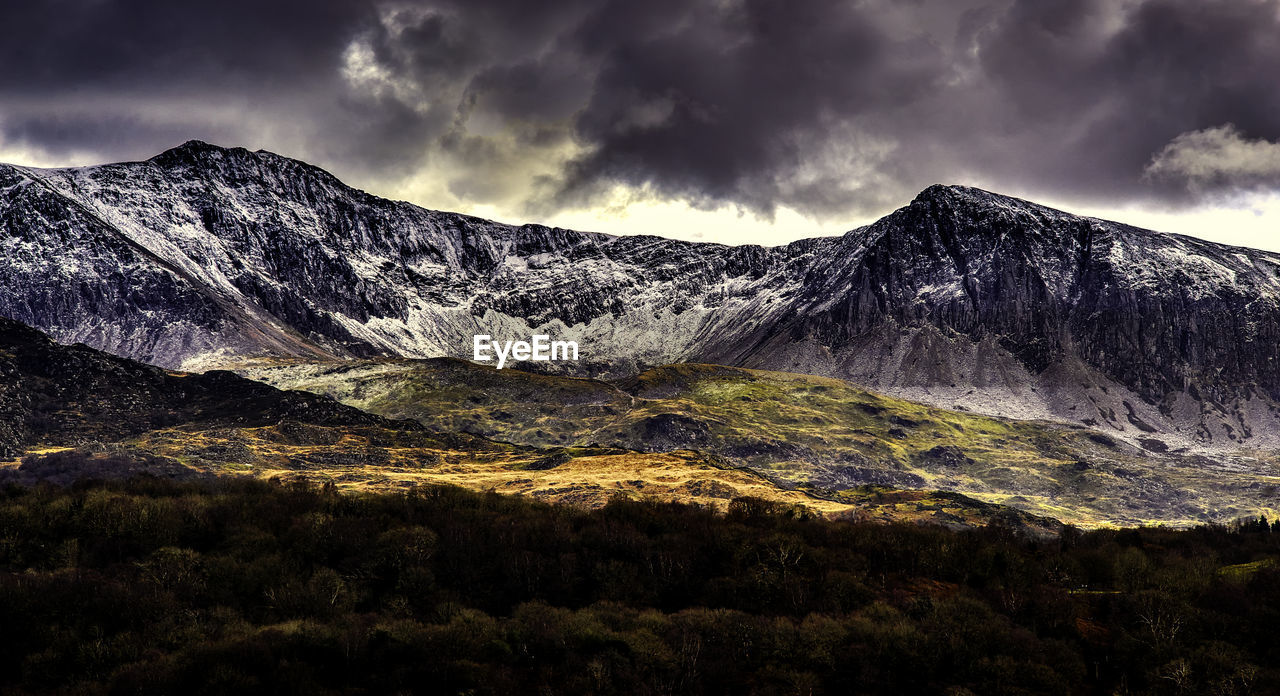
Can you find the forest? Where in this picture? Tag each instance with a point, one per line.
(149, 586)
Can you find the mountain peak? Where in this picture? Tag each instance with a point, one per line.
(981, 207)
(193, 146)
(190, 152)
(955, 194)
(199, 152)
(239, 162)
(936, 191)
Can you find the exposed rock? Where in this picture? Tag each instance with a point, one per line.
(847, 476)
(668, 431)
(947, 456)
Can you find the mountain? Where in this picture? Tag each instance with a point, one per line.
(204, 256)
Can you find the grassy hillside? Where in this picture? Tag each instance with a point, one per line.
(70, 412)
(364, 459)
(811, 431)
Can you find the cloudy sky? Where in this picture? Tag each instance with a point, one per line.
(727, 120)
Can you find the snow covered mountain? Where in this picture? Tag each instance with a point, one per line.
(203, 256)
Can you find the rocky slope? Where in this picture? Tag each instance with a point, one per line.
(58, 395)
(204, 255)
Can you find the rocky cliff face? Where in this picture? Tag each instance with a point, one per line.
(964, 295)
(204, 255)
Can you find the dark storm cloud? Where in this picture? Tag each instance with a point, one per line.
(144, 70)
(736, 101)
(1059, 97)
(1117, 88)
(834, 108)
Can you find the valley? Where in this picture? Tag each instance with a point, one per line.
(71, 413)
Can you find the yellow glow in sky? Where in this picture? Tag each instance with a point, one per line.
(1254, 222)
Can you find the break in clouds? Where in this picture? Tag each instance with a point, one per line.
(833, 109)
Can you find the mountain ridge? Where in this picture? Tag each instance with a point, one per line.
(203, 255)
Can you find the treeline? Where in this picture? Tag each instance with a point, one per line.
(231, 586)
